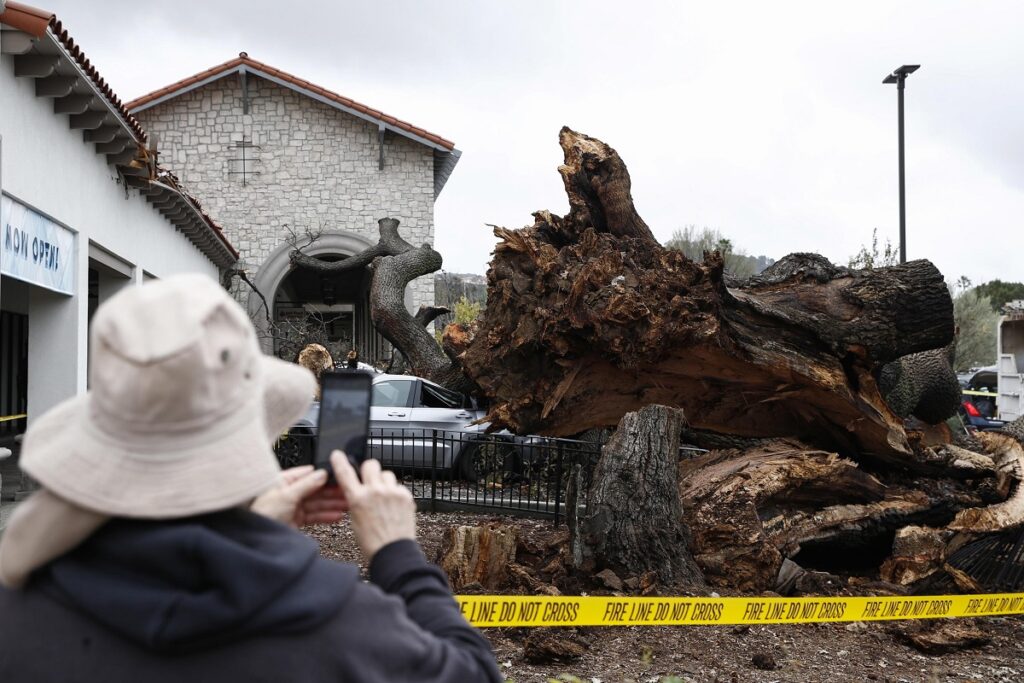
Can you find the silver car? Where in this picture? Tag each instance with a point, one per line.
(418, 424)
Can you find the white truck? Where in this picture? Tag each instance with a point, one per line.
(1010, 361)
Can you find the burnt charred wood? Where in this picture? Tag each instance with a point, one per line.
(633, 520)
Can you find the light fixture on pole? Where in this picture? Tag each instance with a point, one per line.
(898, 77)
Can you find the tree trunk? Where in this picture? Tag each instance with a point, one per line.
(633, 520)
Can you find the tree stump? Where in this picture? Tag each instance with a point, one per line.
(478, 554)
(632, 522)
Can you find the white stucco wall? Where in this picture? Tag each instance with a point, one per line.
(48, 167)
(318, 168)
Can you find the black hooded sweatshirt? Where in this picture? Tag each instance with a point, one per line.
(233, 596)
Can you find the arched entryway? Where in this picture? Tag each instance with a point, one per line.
(304, 300)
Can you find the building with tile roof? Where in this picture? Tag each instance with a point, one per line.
(277, 156)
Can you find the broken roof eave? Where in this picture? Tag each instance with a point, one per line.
(226, 255)
(249, 69)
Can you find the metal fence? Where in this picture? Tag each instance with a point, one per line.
(448, 470)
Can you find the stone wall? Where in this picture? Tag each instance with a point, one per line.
(311, 166)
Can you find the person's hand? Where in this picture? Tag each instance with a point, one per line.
(301, 498)
(380, 509)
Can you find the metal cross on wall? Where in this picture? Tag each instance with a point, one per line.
(245, 159)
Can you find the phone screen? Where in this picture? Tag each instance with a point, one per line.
(344, 417)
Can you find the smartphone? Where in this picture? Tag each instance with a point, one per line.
(344, 418)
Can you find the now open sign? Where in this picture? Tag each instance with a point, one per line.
(35, 249)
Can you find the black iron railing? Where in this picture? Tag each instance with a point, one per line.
(465, 470)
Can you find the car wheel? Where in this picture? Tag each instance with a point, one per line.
(489, 462)
(295, 448)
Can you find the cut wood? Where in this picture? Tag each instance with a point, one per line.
(917, 552)
(748, 510)
(481, 554)
(1008, 455)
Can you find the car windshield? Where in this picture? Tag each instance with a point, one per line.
(391, 394)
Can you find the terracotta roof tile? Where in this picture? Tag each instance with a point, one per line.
(245, 60)
(61, 34)
(31, 20)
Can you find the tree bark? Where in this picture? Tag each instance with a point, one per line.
(633, 519)
(391, 275)
(923, 385)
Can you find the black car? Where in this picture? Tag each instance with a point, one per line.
(978, 403)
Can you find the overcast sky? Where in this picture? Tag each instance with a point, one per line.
(767, 121)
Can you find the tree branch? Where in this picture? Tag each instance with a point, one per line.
(389, 244)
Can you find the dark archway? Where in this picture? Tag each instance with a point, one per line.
(280, 283)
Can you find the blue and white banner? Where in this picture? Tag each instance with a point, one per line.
(35, 249)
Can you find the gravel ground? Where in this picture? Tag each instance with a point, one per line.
(792, 654)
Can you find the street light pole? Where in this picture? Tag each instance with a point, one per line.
(899, 76)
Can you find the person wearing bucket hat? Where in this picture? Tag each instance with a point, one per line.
(160, 546)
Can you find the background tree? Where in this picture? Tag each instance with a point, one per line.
(452, 289)
(467, 311)
(976, 321)
(694, 241)
(866, 259)
(1000, 292)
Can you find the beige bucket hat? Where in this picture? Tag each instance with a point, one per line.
(181, 412)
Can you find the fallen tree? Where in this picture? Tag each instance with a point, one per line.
(589, 318)
(802, 378)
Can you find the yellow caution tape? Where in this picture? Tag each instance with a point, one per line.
(518, 610)
(971, 392)
(8, 418)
